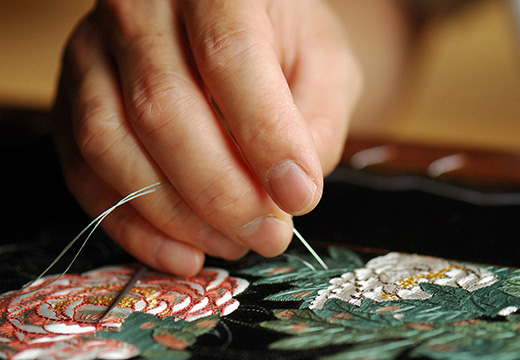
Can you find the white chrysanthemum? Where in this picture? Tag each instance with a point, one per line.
(398, 276)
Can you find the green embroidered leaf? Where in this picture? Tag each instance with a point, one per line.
(314, 332)
(299, 322)
(459, 304)
(159, 338)
(294, 294)
(370, 315)
(202, 325)
(309, 337)
(381, 351)
(473, 339)
(303, 276)
(179, 339)
(165, 354)
(512, 283)
(297, 315)
(137, 329)
(300, 265)
(173, 338)
(342, 258)
(306, 282)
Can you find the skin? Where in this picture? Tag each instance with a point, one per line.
(137, 104)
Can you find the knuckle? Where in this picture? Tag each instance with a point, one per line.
(111, 7)
(222, 197)
(226, 45)
(157, 96)
(124, 232)
(124, 20)
(80, 43)
(170, 214)
(146, 112)
(149, 48)
(263, 130)
(116, 12)
(78, 40)
(149, 105)
(95, 130)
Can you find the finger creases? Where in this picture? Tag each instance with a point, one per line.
(233, 47)
(138, 236)
(100, 138)
(175, 128)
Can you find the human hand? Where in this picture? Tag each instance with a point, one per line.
(134, 107)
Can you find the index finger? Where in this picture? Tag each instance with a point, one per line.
(232, 43)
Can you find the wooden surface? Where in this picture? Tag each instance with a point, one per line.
(486, 170)
(463, 90)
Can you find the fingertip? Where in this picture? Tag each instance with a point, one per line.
(214, 243)
(177, 258)
(269, 236)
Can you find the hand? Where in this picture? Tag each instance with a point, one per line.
(137, 104)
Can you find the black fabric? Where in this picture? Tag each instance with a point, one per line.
(417, 215)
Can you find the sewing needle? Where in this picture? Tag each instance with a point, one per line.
(129, 285)
(311, 250)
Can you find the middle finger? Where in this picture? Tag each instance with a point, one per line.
(173, 118)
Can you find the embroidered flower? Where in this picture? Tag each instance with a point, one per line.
(67, 311)
(72, 348)
(398, 276)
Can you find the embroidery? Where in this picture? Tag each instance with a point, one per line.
(162, 338)
(464, 311)
(399, 277)
(440, 310)
(378, 335)
(305, 283)
(67, 311)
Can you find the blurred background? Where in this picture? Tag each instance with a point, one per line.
(462, 89)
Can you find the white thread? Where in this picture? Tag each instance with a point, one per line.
(97, 221)
(94, 225)
(306, 263)
(311, 250)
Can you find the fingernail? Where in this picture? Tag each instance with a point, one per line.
(214, 243)
(267, 236)
(293, 188)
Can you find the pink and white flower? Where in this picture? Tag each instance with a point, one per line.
(63, 317)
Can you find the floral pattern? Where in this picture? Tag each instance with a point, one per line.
(393, 306)
(63, 317)
(399, 276)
